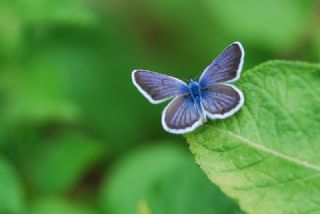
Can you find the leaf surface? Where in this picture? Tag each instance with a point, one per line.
(267, 156)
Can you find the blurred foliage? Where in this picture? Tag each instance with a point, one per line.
(12, 194)
(175, 181)
(70, 116)
(57, 205)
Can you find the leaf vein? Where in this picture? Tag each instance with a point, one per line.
(265, 149)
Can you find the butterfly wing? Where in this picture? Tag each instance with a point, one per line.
(158, 87)
(221, 100)
(181, 115)
(225, 68)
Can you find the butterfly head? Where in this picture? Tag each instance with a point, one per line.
(192, 81)
(194, 88)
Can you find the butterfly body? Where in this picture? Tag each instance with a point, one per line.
(195, 93)
(213, 96)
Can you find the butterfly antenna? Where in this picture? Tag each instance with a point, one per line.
(185, 80)
(196, 77)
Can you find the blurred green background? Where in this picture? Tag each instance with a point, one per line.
(75, 134)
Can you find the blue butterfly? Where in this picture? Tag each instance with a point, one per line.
(211, 97)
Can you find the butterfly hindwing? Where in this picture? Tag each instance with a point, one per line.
(225, 68)
(221, 100)
(158, 87)
(181, 115)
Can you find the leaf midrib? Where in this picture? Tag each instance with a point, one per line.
(262, 148)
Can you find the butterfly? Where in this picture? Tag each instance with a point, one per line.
(211, 97)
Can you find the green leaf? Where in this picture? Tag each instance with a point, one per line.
(267, 155)
(58, 205)
(161, 179)
(11, 192)
(61, 163)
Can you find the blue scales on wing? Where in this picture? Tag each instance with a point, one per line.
(221, 100)
(158, 87)
(181, 115)
(225, 68)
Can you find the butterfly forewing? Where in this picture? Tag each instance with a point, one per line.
(221, 100)
(158, 87)
(225, 68)
(181, 115)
